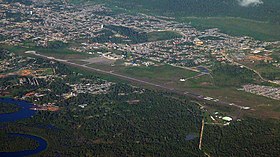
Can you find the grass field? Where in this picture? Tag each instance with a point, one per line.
(268, 71)
(261, 106)
(165, 74)
(237, 26)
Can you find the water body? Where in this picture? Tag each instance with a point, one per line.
(190, 137)
(42, 146)
(202, 69)
(23, 113)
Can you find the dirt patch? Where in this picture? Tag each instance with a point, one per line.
(206, 84)
(133, 102)
(98, 60)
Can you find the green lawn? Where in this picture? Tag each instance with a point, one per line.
(164, 72)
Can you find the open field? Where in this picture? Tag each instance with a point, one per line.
(267, 71)
(237, 26)
(260, 106)
(161, 73)
(98, 60)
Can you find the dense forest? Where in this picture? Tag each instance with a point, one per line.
(251, 137)
(110, 124)
(8, 108)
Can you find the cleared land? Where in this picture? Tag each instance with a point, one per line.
(161, 74)
(237, 26)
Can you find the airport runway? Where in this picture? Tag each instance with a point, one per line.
(187, 93)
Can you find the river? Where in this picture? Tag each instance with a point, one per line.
(42, 146)
(23, 113)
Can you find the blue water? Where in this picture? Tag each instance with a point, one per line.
(190, 137)
(42, 146)
(23, 113)
(203, 69)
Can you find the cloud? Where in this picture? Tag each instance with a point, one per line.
(246, 3)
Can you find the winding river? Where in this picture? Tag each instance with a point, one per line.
(42, 146)
(23, 113)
